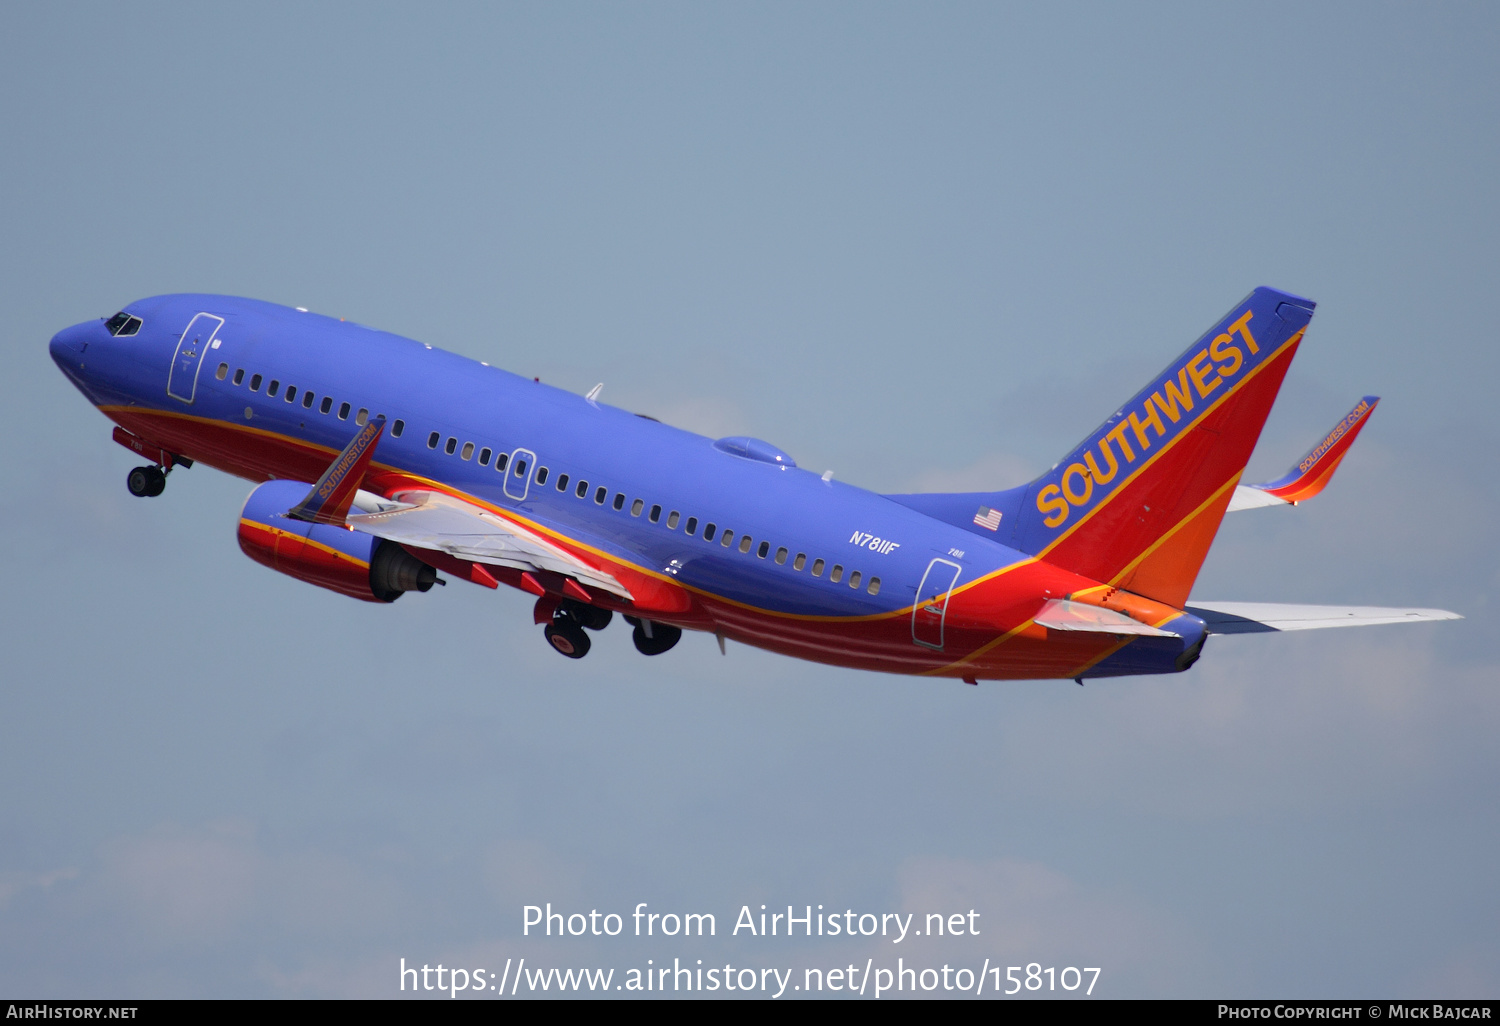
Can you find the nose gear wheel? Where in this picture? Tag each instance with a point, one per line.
(145, 482)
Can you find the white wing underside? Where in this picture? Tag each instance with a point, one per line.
(1260, 617)
(1249, 497)
(431, 520)
(1063, 615)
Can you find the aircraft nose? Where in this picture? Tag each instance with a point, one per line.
(67, 344)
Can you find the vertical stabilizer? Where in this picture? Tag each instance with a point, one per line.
(1139, 502)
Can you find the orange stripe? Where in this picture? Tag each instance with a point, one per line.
(1167, 535)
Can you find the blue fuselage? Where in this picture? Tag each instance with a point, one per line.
(265, 391)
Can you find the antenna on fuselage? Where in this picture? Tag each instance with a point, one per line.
(593, 393)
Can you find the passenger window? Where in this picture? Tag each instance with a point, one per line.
(255, 383)
(619, 500)
(239, 376)
(326, 404)
(854, 579)
(452, 446)
(636, 507)
(582, 490)
(800, 561)
(692, 525)
(520, 468)
(362, 416)
(599, 494)
(484, 457)
(307, 401)
(817, 570)
(291, 393)
(468, 451)
(222, 371)
(501, 459)
(764, 548)
(432, 440)
(708, 531)
(874, 588)
(781, 557)
(655, 516)
(836, 574)
(273, 388)
(541, 475)
(397, 428)
(727, 538)
(745, 543)
(343, 411)
(562, 482)
(672, 519)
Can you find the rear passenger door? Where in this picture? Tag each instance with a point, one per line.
(932, 603)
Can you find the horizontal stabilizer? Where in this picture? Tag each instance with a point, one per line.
(1261, 617)
(1063, 615)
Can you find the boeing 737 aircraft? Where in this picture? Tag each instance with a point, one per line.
(381, 462)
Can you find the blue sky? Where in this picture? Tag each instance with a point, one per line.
(818, 224)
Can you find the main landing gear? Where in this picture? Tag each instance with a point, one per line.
(144, 482)
(566, 631)
(652, 638)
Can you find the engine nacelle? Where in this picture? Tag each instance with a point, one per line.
(349, 562)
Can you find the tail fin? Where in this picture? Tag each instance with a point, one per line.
(1138, 503)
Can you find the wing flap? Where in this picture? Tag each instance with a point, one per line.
(1262, 617)
(431, 520)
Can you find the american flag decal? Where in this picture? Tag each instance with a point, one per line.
(987, 517)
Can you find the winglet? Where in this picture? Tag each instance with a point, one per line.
(331, 497)
(1313, 472)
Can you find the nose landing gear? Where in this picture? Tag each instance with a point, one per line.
(145, 482)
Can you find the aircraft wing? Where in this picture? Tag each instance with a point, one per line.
(1260, 617)
(1313, 472)
(1251, 497)
(431, 520)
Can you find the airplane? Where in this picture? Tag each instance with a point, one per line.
(382, 462)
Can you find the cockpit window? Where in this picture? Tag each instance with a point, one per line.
(123, 323)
